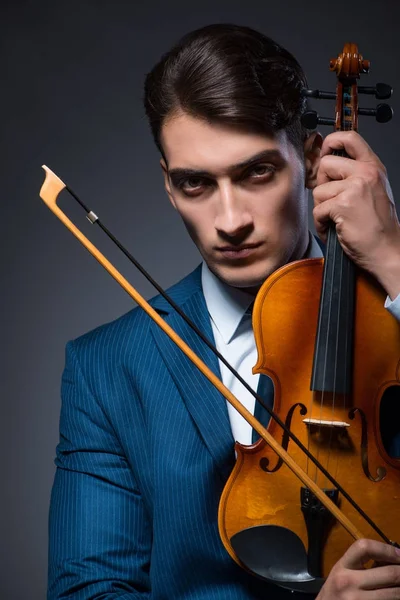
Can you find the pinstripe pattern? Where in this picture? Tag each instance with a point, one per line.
(145, 449)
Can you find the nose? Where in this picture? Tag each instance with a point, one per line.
(233, 218)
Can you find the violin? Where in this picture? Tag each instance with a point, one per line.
(331, 440)
(331, 349)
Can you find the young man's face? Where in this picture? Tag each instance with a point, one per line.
(242, 196)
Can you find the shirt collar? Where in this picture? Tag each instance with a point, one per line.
(314, 249)
(227, 305)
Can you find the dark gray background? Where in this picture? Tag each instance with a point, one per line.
(71, 89)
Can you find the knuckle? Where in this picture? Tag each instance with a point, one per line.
(319, 217)
(342, 583)
(363, 546)
(373, 174)
(353, 135)
(346, 200)
(330, 136)
(316, 210)
(359, 183)
(324, 161)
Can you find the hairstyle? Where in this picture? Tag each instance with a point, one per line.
(232, 75)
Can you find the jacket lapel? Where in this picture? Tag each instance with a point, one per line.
(205, 404)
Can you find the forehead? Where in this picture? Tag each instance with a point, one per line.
(194, 143)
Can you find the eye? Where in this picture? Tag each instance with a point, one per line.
(193, 183)
(192, 186)
(261, 171)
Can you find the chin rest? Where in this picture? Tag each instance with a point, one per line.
(276, 554)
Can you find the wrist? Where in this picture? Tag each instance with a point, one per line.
(388, 274)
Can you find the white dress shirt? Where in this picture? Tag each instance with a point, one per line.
(234, 338)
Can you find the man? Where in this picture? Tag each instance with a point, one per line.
(146, 443)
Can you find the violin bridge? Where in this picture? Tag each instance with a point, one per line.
(324, 423)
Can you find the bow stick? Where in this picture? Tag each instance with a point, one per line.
(49, 192)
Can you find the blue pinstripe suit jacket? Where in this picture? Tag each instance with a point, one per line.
(145, 450)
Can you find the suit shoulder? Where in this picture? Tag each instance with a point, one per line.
(115, 331)
(132, 328)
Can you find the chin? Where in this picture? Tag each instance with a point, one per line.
(249, 278)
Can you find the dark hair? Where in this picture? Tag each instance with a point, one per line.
(229, 74)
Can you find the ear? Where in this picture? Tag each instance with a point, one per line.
(167, 182)
(312, 152)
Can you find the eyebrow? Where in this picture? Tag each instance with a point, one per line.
(180, 173)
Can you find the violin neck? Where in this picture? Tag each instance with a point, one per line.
(333, 353)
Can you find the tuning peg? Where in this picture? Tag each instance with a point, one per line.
(382, 113)
(318, 94)
(382, 91)
(311, 119)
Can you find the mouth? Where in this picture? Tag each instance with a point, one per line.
(237, 252)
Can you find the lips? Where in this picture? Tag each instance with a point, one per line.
(238, 251)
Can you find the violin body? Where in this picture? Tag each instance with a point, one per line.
(341, 430)
(331, 349)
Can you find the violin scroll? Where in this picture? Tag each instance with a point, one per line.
(348, 66)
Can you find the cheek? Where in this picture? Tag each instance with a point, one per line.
(294, 205)
(283, 205)
(283, 216)
(197, 224)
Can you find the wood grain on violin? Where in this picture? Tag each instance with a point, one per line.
(331, 350)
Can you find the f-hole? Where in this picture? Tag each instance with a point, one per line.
(389, 419)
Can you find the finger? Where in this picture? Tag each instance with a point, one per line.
(328, 190)
(349, 141)
(327, 212)
(340, 208)
(384, 594)
(336, 168)
(381, 577)
(364, 550)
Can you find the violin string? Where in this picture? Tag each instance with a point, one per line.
(332, 235)
(346, 124)
(339, 310)
(350, 274)
(310, 405)
(318, 344)
(330, 242)
(340, 92)
(346, 308)
(93, 218)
